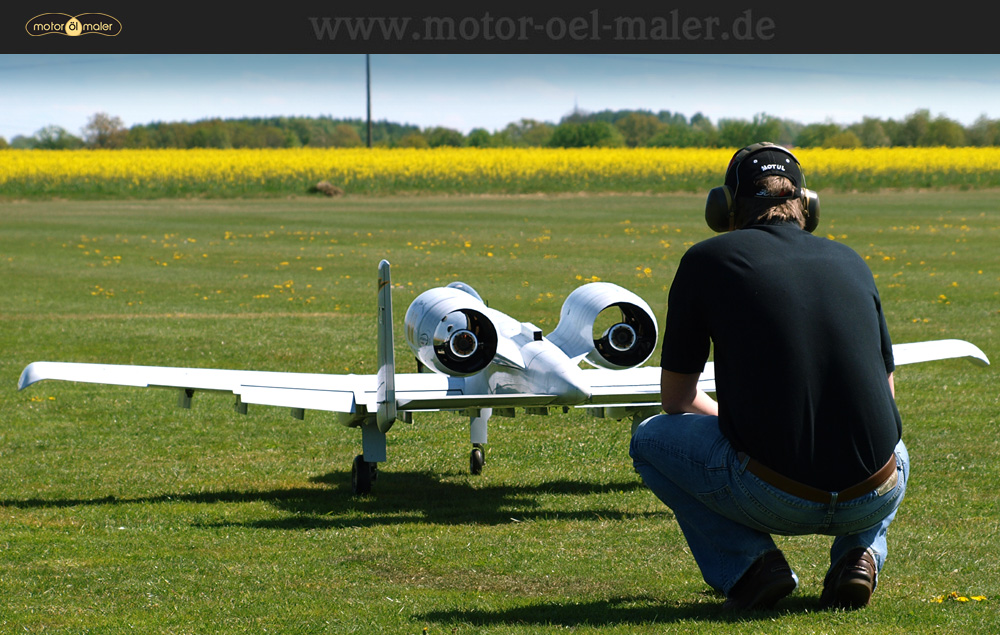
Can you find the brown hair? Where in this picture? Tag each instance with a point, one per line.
(750, 210)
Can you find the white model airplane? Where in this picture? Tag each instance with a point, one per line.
(484, 363)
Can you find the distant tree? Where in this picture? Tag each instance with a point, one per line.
(3, 144)
(301, 129)
(913, 129)
(894, 130)
(104, 131)
(787, 131)
(871, 133)
(413, 140)
(942, 131)
(576, 116)
(607, 127)
(815, 135)
(526, 132)
(703, 131)
(843, 139)
(608, 116)
(172, 135)
(675, 119)
(479, 138)
(503, 138)
(918, 129)
(316, 133)
(566, 135)
(594, 134)
(638, 128)
(699, 133)
(984, 132)
(56, 138)
(345, 136)
(291, 139)
(139, 137)
(699, 120)
(737, 133)
(674, 136)
(669, 137)
(440, 136)
(767, 128)
(242, 134)
(210, 134)
(535, 133)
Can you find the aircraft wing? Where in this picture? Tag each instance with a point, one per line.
(333, 393)
(357, 394)
(434, 391)
(636, 386)
(917, 352)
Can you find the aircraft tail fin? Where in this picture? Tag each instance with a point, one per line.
(386, 358)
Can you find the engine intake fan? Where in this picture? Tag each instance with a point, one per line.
(449, 333)
(626, 343)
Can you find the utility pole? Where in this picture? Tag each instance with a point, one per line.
(368, 84)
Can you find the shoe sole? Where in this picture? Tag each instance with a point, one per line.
(767, 597)
(853, 594)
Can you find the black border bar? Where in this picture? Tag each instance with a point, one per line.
(518, 27)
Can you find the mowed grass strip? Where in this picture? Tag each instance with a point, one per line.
(123, 513)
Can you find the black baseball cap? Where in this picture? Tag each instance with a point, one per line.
(761, 159)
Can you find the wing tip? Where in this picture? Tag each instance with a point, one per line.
(935, 350)
(973, 353)
(29, 376)
(979, 360)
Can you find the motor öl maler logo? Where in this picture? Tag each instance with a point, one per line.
(73, 25)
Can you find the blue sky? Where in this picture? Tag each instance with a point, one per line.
(489, 91)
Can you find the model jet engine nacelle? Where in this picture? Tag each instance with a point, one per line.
(627, 327)
(449, 331)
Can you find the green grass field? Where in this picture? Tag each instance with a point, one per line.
(122, 513)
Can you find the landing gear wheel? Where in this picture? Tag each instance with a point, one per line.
(476, 459)
(363, 475)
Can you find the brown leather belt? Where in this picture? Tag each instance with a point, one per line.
(816, 495)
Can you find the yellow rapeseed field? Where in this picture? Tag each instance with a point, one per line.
(463, 170)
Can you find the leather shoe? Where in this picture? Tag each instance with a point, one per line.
(767, 580)
(850, 583)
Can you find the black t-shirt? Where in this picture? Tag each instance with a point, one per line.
(801, 351)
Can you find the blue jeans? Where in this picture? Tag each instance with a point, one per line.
(728, 515)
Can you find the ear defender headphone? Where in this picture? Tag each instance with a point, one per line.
(753, 161)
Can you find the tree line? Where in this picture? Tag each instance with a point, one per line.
(606, 128)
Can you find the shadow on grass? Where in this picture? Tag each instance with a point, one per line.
(639, 610)
(403, 497)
